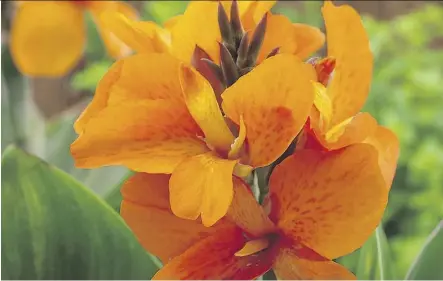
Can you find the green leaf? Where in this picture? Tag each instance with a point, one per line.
(54, 228)
(374, 258)
(114, 197)
(427, 265)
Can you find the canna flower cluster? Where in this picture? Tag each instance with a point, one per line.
(48, 37)
(218, 92)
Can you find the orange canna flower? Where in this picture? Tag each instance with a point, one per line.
(199, 26)
(309, 223)
(48, 37)
(342, 87)
(154, 114)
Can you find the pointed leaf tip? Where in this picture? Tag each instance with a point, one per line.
(257, 40)
(229, 68)
(225, 26)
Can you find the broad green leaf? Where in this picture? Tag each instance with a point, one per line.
(114, 197)
(13, 100)
(54, 228)
(350, 261)
(9, 134)
(428, 264)
(374, 258)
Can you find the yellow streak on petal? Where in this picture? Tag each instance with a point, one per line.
(242, 171)
(323, 104)
(252, 247)
(335, 132)
(239, 141)
(203, 106)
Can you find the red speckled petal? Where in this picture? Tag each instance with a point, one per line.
(274, 100)
(146, 210)
(213, 259)
(388, 146)
(329, 201)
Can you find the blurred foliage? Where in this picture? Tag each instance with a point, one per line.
(406, 96)
(427, 265)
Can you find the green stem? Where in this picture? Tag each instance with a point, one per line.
(289, 151)
(270, 275)
(262, 182)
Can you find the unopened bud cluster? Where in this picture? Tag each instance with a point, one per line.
(238, 54)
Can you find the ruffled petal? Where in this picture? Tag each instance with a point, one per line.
(115, 46)
(47, 37)
(353, 130)
(329, 201)
(145, 208)
(213, 258)
(388, 146)
(197, 26)
(141, 36)
(147, 136)
(288, 266)
(309, 39)
(247, 213)
(171, 22)
(135, 79)
(274, 99)
(278, 34)
(348, 43)
(253, 12)
(202, 186)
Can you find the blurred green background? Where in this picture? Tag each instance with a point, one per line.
(406, 96)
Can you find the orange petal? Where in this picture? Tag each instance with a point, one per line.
(388, 146)
(203, 106)
(134, 79)
(329, 201)
(171, 22)
(253, 11)
(277, 30)
(288, 266)
(202, 185)
(145, 208)
(141, 36)
(309, 39)
(353, 130)
(198, 26)
(274, 99)
(47, 37)
(213, 258)
(247, 213)
(348, 43)
(299, 39)
(151, 136)
(115, 46)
